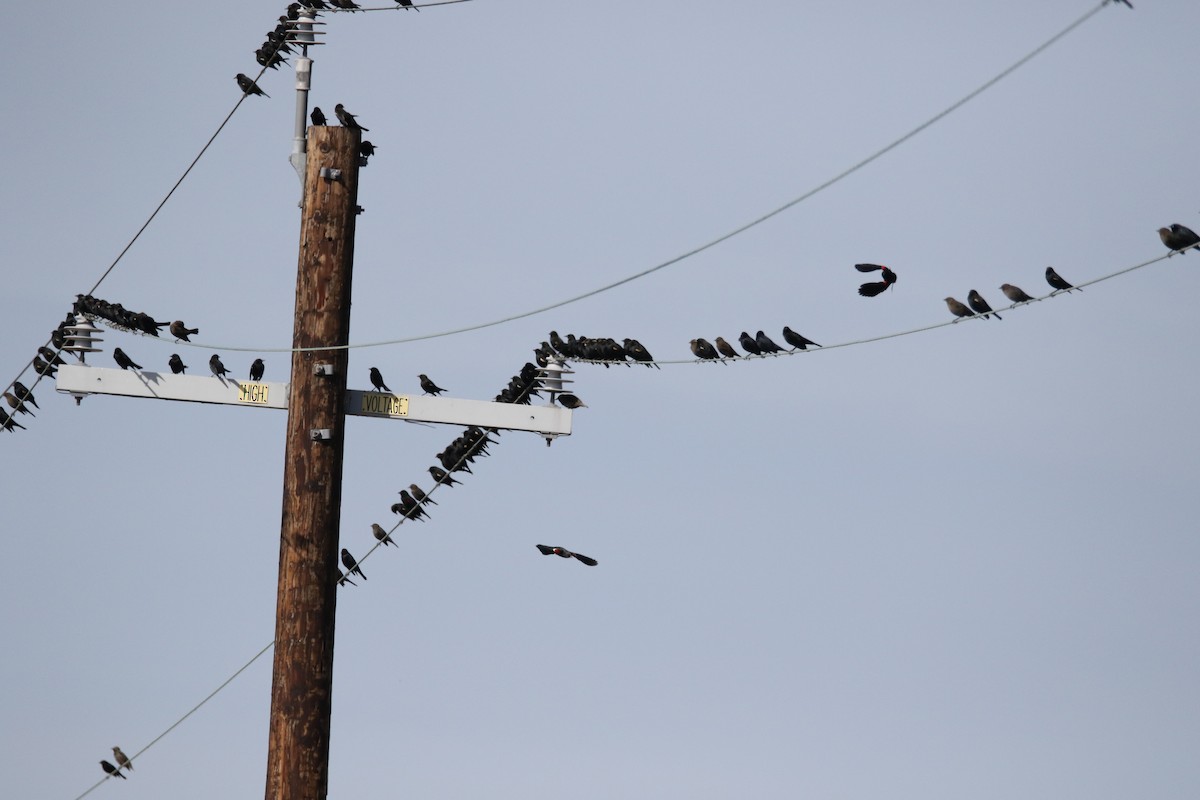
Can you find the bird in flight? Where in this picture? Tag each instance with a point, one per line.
(565, 553)
(568, 400)
(872, 288)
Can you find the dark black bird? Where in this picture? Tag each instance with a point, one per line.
(216, 366)
(958, 309)
(725, 348)
(765, 344)
(17, 405)
(43, 368)
(346, 118)
(256, 369)
(348, 5)
(441, 476)
(110, 769)
(124, 361)
(377, 380)
(181, 331)
(565, 553)
(382, 535)
(568, 400)
(1056, 281)
(1014, 293)
(701, 348)
(352, 565)
(979, 305)
(749, 345)
(366, 149)
(1177, 237)
(410, 506)
(8, 423)
(317, 116)
(23, 393)
(407, 4)
(343, 580)
(796, 340)
(176, 364)
(429, 387)
(872, 288)
(249, 86)
(54, 358)
(638, 353)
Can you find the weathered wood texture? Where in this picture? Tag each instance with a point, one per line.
(301, 689)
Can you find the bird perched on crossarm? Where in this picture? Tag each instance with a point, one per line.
(124, 361)
(257, 368)
(377, 380)
(428, 386)
(217, 368)
(176, 364)
(872, 288)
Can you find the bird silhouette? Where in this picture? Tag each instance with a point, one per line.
(637, 352)
(565, 553)
(1014, 293)
(377, 380)
(979, 305)
(317, 116)
(16, 404)
(419, 493)
(701, 348)
(568, 400)
(181, 331)
(958, 309)
(51, 356)
(8, 423)
(256, 369)
(122, 759)
(428, 386)
(124, 361)
(765, 344)
(218, 369)
(347, 119)
(366, 149)
(407, 4)
(176, 364)
(796, 340)
(22, 392)
(42, 368)
(352, 565)
(1177, 237)
(248, 86)
(110, 769)
(1056, 281)
(872, 288)
(343, 580)
(749, 344)
(441, 476)
(382, 535)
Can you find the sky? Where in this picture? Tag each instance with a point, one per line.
(951, 564)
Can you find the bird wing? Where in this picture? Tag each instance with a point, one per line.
(545, 550)
(872, 289)
(591, 562)
(868, 267)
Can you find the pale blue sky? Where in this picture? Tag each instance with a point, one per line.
(956, 564)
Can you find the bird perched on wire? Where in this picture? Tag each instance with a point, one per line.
(8, 423)
(1015, 293)
(17, 404)
(256, 369)
(419, 493)
(345, 5)
(1056, 281)
(409, 507)
(765, 344)
(796, 340)
(749, 344)
(51, 356)
(218, 369)
(958, 309)
(351, 565)
(22, 392)
(43, 368)
(382, 535)
(122, 759)
(702, 348)
(428, 386)
(407, 4)
(110, 769)
(124, 361)
(568, 400)
(979, 305)
(317, 116)
(872, 288)
(1177, 237)
(565, 553)
(346, 118)
(725, 348)
(377, 380)
(637, 352)
(249, 86)
(343, 580)
(441, 476)
(181, 331)
(176, 364)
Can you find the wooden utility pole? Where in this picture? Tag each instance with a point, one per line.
(302, 682)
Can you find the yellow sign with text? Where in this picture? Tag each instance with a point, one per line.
(385, 405)
(255, 393)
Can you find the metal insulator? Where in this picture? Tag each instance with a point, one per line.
(80, 337)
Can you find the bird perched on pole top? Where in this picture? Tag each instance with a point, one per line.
(347, 119)
(979, 305)
(563, 552)
(248, 86)
(1177, 237)
(958, 309)
(1057, 282)
(1015, 293)
(317, 116)
(872, 288)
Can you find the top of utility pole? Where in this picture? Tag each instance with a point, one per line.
(303, 35)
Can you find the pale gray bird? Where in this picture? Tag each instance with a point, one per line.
(181, 331)
(958, 309)
(382, 535)
(979, 305)
(218, 369)
(347, 119)
(1014, 293)
(122, 759)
